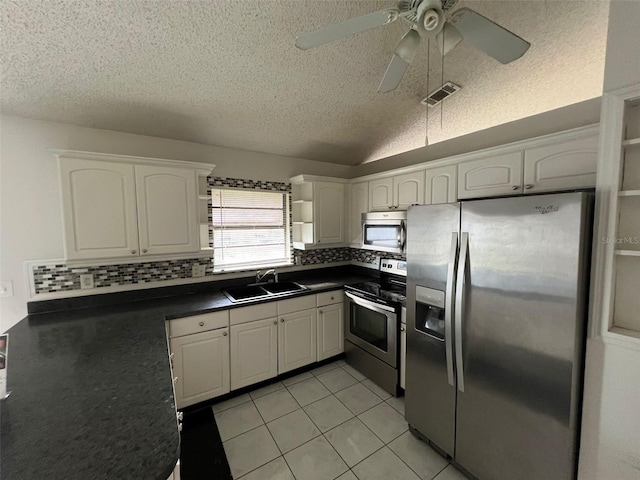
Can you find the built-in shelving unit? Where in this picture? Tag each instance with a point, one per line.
(618, 251)
(302, 214)
(204, 206)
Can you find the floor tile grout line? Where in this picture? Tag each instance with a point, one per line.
(407, 465)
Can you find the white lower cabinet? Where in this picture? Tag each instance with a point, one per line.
(200, 366)
(254, 352)
(330, 331)
(296, 340)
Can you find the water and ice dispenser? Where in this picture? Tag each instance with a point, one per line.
(430, 312)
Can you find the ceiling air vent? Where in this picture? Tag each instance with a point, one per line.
(440, 94)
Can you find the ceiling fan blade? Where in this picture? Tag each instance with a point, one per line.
(448, 38)
(346, 28)
(402, 58)
(488, 36)
(395, 72)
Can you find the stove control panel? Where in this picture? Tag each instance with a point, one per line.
(391, 265)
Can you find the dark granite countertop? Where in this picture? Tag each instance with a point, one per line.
(91, 387)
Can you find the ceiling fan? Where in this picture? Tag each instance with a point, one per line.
(429, 19)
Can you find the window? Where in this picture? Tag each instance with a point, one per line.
(250, 229)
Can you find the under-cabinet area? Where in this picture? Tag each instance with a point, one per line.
(218, 352)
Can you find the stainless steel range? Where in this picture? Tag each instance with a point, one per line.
(373, 313)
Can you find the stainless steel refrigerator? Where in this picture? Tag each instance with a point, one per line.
(496, 307)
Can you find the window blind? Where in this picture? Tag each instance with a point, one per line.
(250, 228)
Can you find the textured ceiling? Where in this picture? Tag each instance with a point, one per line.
(227, 72)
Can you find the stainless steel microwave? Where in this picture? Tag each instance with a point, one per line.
(384, 231)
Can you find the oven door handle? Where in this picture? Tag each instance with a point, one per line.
(376, 307)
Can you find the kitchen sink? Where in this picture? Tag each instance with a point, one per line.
(265, 290)
(245, 293)
(283, 287)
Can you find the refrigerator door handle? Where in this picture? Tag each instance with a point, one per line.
(403, 236)
(449, 307)
(460, 284)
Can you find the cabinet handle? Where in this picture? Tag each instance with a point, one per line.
(514, 188)
(282, 320)
(201, 324)
(320, 312)
(180, 416)
(144, 250)
(175, 380)
(528, 186)
(275, 322)
(225, 333)
(331, 298)
(402, 329)
(133, 252)
(171, 356)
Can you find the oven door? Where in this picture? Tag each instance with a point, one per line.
(372, 327)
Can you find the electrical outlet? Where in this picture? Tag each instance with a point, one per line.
(86, 280)
(6, 289)
(197, 271)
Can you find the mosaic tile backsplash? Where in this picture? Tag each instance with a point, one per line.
(66, 278)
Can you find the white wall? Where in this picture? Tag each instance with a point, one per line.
(611, 417)
(30, 214)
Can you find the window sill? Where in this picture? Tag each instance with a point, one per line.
(251, 268)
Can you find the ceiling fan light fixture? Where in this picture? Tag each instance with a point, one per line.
(431, 20)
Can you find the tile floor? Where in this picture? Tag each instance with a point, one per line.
(329, 423)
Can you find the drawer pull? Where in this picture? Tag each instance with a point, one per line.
(133, 252)
(514, 188)
(225, 333)
(275, 322)
(528, 186)
(201, 324)
(331, 298)
(282, 320)
(144, 250)
(320, 312)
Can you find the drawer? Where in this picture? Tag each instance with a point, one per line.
(253, 312)
(198, 323)
(329, 298)
(296, 304)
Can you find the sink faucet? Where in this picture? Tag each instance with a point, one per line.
(260, 276)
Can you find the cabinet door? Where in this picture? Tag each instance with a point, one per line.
(254, 352)
(566, 165)
(441, 185)
(486, 177)
(408, 189)
(359, 204)
(329, 212)
(330, 331)
(201, 363)
(99, 209)
(403, 354)
(381, 194)
(167, 210)
(296, 340)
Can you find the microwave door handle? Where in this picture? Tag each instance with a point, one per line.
(460, 284)
(384, 309)
(449, 307)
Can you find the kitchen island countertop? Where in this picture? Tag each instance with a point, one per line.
(92, 394)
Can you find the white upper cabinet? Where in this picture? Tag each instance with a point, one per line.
(99, 205)
(329, 212)
(408, 189)
(167, 210)
(441, 185)
(399, 192)
(318, 211)
(381, 194)
(359, 204)
(493, 176)
(115, 206)
(566, 165)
